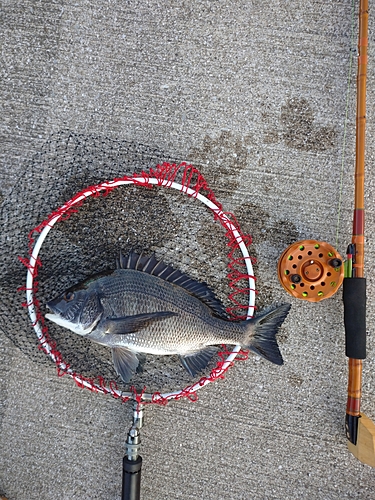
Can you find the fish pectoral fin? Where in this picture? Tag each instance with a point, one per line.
(125, 362)
(197, 361)
(131, 324)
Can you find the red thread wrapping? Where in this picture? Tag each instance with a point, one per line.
(165, 175)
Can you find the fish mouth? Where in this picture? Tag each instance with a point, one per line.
(55, 317)
(73, 327)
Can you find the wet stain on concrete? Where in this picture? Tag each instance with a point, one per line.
(270, 238)
(221, 159)
(264, 228)
(299, 130)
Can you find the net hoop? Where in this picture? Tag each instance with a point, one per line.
(41, 329)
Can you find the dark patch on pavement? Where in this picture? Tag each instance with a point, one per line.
(277, 234)
(298, 128)
(299, 131)
(263, 228)
(132, 225)
(270, 236)
(221, 159)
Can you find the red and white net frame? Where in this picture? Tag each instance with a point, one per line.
(192, 183)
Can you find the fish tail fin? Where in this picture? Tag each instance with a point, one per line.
(260, 334)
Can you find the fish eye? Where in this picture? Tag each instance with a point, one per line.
(69, 296)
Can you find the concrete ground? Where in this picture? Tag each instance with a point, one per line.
(257, 96)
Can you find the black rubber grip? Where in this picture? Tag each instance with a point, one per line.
(131, 479)
(354, 296)
(351, 428)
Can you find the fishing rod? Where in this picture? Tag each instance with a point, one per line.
(312, 270)
(360, 430)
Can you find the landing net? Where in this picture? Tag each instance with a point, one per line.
(192, 184)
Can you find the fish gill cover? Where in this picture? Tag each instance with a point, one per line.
(156, 220)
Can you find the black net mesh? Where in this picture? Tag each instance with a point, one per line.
(179, 229)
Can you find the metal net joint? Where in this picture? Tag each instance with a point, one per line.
(133, 442)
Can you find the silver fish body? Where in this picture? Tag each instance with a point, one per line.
(147, 307)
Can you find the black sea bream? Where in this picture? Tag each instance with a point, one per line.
(145, 306)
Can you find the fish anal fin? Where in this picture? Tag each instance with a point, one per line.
(197, 361)
(131, 324)
(125, 362)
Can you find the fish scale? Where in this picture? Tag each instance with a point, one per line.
(155, 292)
(127, 293)
(145, 306)
(133, 290)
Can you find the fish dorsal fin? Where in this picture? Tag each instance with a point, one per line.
(151, 265)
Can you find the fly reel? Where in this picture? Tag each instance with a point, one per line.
(311, 270)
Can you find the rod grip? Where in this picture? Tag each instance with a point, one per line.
(131, 479)
(354, 295)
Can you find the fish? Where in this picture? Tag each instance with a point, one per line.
(145, 306)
